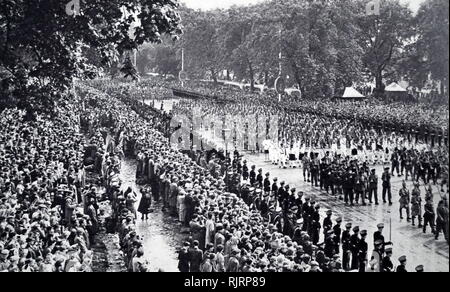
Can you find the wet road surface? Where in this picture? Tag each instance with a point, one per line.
(161, 233)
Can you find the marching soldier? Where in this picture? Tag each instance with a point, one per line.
(386, 178)
(429, 216)
(306, 161)
(346, 247)
(315, 225)
(373, 187)
(329, 244)
(360, 189)
(306, 215)
(315, 167)
(253, 175)
(416, 205)
(404, 201)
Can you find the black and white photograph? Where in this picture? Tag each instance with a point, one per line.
(224, 137)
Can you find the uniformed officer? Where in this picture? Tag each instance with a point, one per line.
(404, 201)
(337, 235)
(329, 248)
(306, 215)
(363, 249)
(386, 265)
(386, 178)
(346, 247)
(354, 248)
(327, 222)
(377, 255)
(373, 187)
(416, 205)
(402, 267)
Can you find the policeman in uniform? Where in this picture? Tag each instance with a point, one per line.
(315, 171)
(386, 265)
(402, 267)
(327, 223)
(346, 247)
(315, 225)
(354, 248)
(363, 249)
(416, 205)
(337, 235)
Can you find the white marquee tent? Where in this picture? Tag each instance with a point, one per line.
(394, 87)
(350, 92)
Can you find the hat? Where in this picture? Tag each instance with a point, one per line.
(381, 225)
(388, 250)
(356, 229)
(378, 242)
(419, 268)
(339, 220)
(348, 225)
(402, 259)
(363, 232)
(329, 212)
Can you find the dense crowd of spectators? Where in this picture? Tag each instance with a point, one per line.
(241, 227)
(48, 214)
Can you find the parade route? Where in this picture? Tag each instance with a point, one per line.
(420, 249)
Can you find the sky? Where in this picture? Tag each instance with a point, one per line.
(212, 4)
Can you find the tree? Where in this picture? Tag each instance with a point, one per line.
(129, 70)
(41, 47)
(383, 39)
(433, 40)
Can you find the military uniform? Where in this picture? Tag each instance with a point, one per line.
(373, 187)
(416, 206)
(354, 248)
(404, 201)
(386, 178)
(346, 247)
